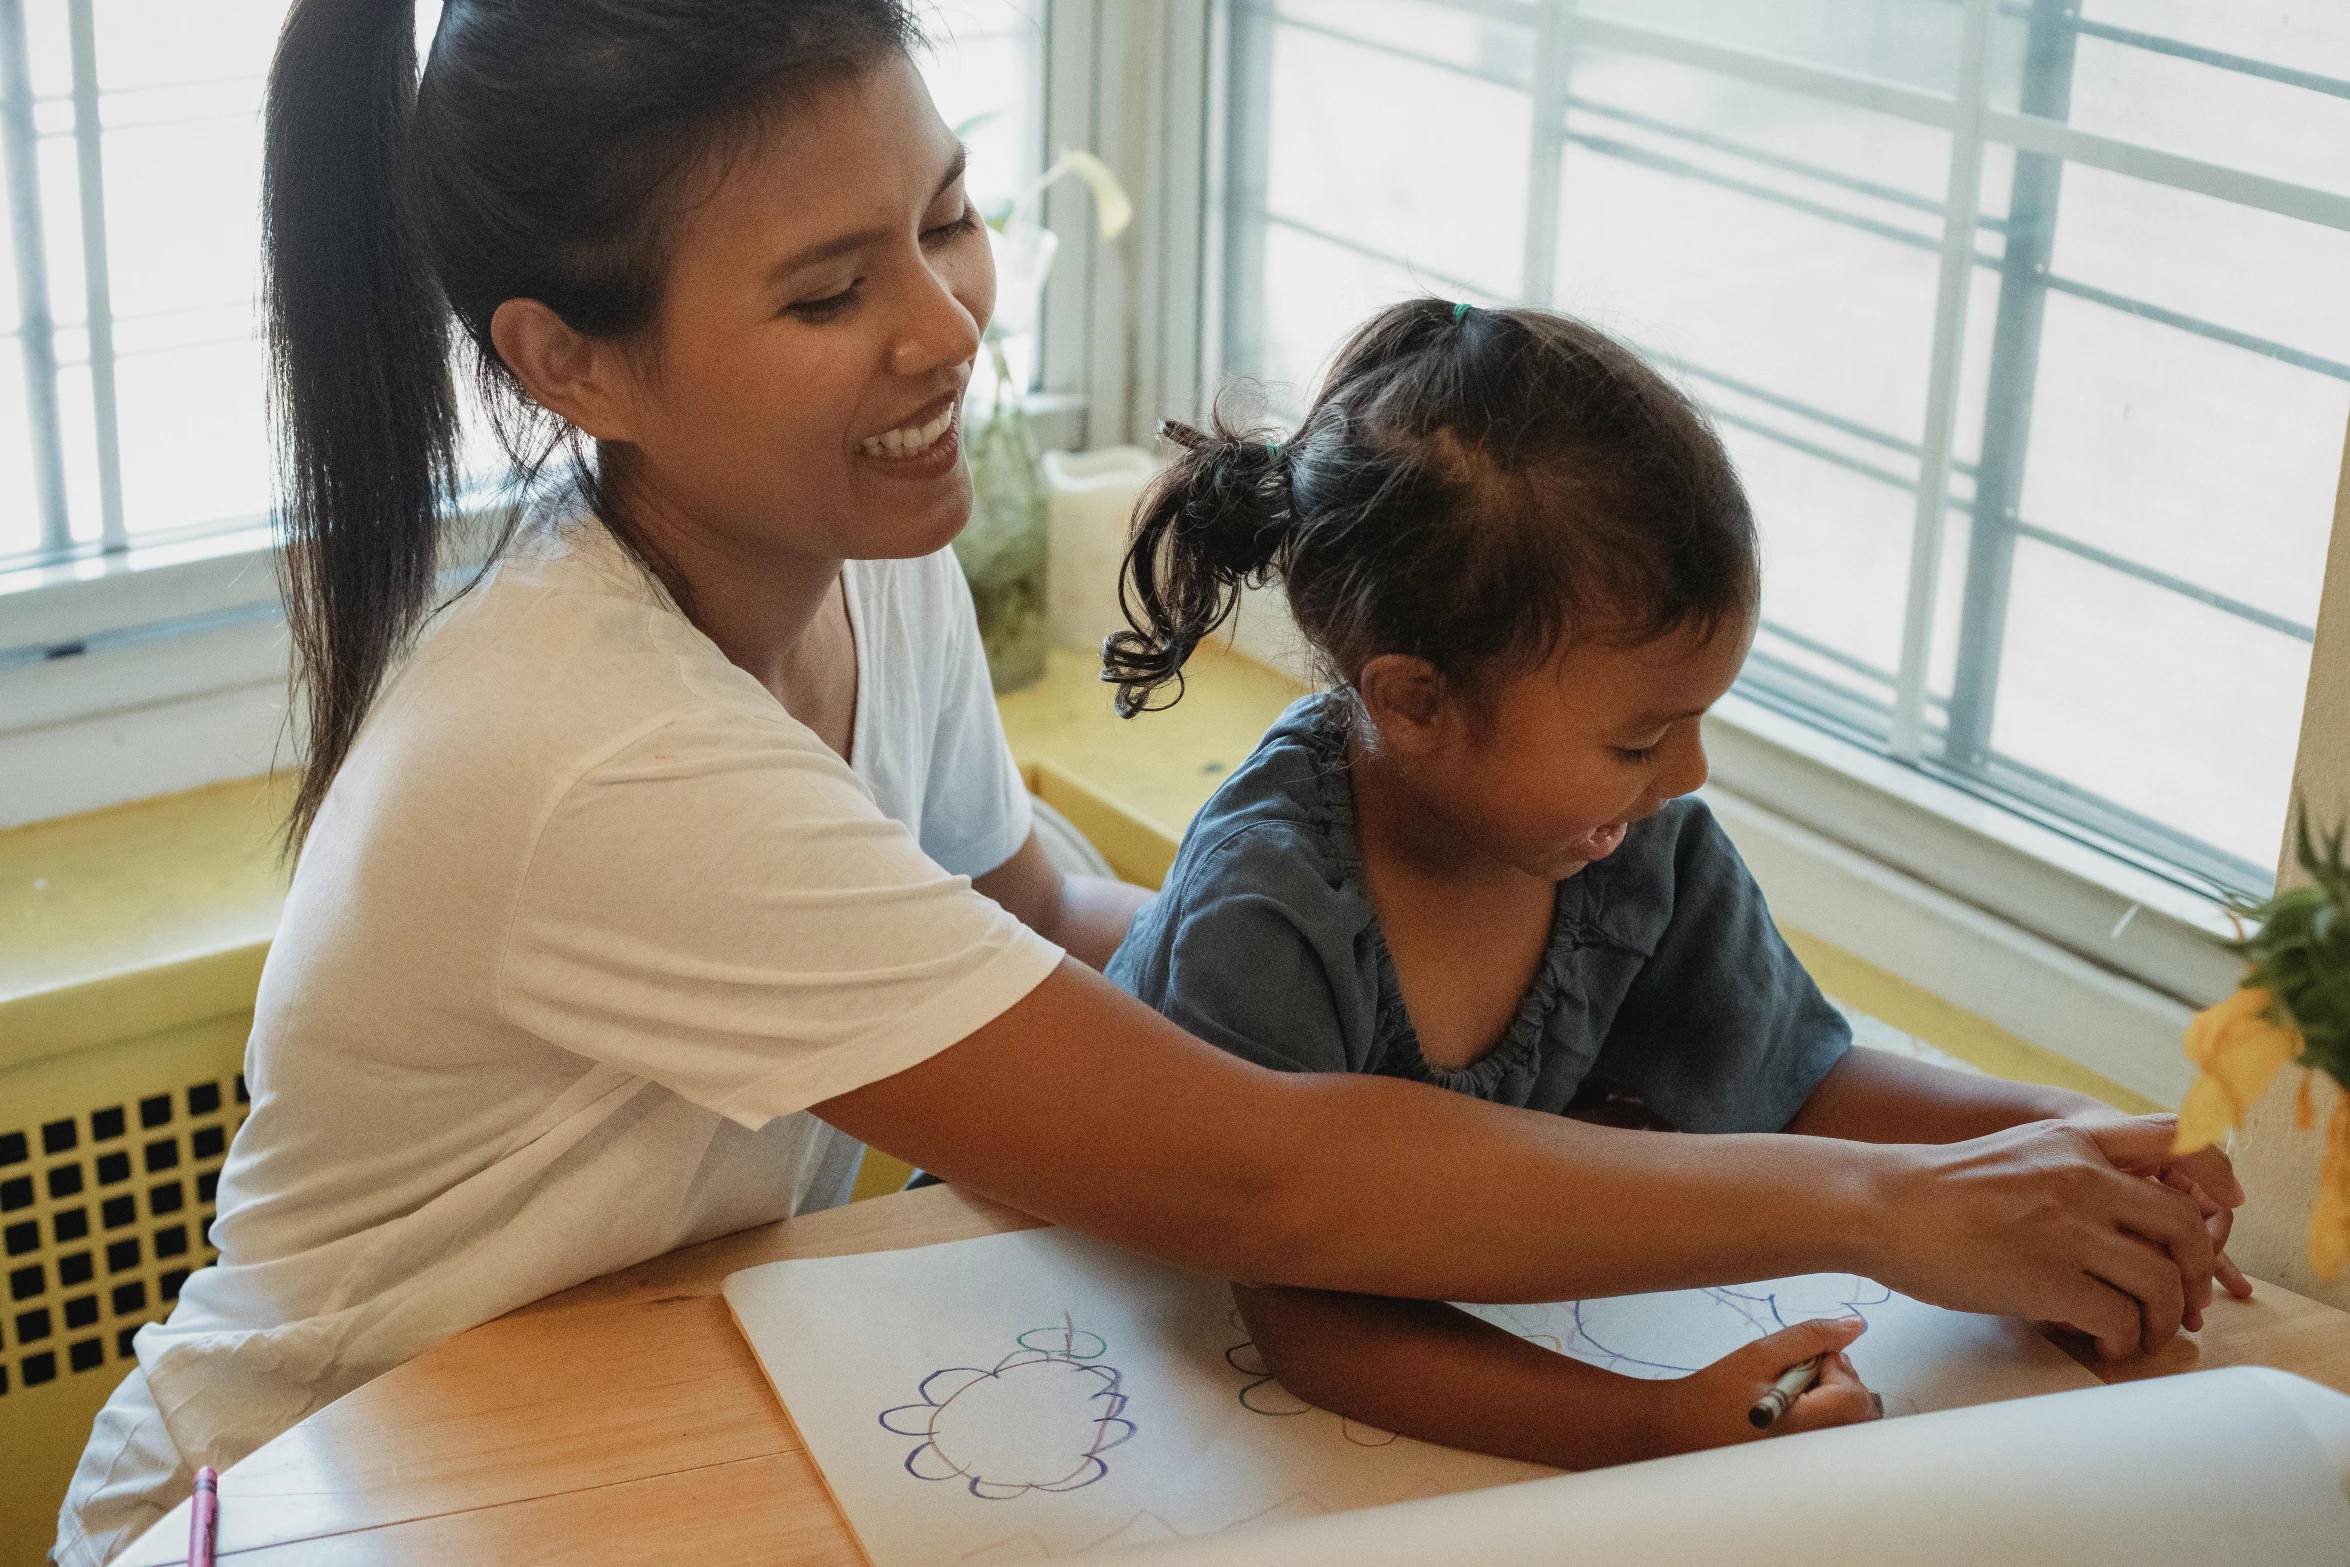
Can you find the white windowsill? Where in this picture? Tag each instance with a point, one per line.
(1994, 912)
(195, 580)
(2005, 865)
(72, 601)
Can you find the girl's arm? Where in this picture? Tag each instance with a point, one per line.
(1428, 1370)
(1084, 1107)
(1085, 916)
(1877, 1097)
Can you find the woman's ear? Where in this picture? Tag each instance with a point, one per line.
(1405, 698)
(566, 372)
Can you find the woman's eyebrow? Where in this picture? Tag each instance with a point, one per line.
(842, 244)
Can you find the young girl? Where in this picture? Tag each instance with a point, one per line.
(1529, 569)
(684, 852)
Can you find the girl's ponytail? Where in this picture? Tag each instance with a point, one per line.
(363, 403)
(1214, 522)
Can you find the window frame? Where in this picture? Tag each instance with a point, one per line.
(1957, 748)
(110, 649)
(2084, 879)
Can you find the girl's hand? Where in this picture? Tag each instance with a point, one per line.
(1709, 1407)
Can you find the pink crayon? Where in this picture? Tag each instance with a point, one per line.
(204, 1518)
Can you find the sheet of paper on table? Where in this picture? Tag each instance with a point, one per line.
(2245, 1465)
(1040, 1394)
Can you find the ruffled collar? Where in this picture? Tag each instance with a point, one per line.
(1395, 1042)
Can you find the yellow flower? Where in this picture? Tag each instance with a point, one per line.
(2239, 1051)
(2329, 1221)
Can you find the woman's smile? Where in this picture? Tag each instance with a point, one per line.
(926, 444)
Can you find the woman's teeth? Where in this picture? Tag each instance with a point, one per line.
(912, 441)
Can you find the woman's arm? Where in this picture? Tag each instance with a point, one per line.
(1428, 1370)
(1085, 916)
(1875, 1096)
(1084, 1107)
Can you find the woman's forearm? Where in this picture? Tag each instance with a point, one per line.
(1082, 1106)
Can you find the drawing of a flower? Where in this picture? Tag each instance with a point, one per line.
(1038, 1420)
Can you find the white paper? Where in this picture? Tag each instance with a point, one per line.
(1918, 1357)
(1041, 1394)
(2221, 1467)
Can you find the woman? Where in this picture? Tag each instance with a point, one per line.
(636, 893)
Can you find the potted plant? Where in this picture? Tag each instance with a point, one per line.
(2293, 1007)
(1002, 550)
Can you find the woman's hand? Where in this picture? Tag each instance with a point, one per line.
(2206, 1176)
(1082, 1106)
(2045, 1220)
(1709, 1408)
(1874, 1096)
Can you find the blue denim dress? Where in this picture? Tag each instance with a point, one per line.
(1664, 980)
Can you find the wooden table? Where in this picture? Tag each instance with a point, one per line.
(626, 1420)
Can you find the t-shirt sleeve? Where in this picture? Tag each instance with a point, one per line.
(975, 812)
(1250, 948)
(1722, 1030)
(719, 905)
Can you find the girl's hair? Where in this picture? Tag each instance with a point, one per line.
(1475, 488)
(546, 153)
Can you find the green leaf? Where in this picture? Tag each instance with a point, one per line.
(2299, 947)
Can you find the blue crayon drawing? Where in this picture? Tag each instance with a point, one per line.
(1676, 1333)
(1037, 1420)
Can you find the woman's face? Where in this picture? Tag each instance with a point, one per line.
(801, 390)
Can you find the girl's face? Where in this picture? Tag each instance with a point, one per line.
(1547, 771)
(821, 314)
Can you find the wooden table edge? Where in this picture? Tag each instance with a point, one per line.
(941, 1214)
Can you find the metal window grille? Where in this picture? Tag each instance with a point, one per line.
(72, 435)
(1535, 47)
(93, 449)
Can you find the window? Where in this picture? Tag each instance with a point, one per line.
(985, 70)
(2071, 271)
(132, 164)
(985, 67)
(132, 171)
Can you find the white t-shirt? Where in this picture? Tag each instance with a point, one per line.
(585, 924)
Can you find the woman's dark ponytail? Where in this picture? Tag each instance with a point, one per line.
(1211, 524)
(364, 404)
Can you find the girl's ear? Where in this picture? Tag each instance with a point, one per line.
(584, 379)
(1405, 698)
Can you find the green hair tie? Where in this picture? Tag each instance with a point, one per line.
(1272, 448)
(1460, 312)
